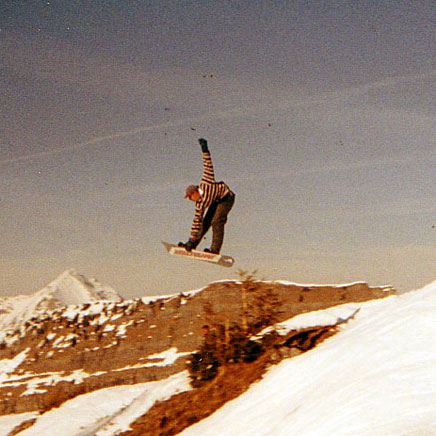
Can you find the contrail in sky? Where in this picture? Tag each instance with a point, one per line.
(97, 140)
(344, 93)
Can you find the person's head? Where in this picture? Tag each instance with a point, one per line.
(192, 193)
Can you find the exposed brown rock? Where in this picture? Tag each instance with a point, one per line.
(106, 348)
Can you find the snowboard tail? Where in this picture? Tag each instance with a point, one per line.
(218, 259)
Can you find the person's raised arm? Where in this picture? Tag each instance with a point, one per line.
(208, 173)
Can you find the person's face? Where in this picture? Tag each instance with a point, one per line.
(195, 196)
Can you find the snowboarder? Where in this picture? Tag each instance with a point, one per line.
(214, 196)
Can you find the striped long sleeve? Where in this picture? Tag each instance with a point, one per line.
(208, 172)
(210, 191)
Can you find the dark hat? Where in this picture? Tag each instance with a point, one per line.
(190, 190)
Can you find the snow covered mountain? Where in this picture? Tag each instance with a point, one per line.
(375, 377)
(70, 288)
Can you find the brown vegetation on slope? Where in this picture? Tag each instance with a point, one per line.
(169, 418)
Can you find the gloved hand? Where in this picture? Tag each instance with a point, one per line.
(203, 144)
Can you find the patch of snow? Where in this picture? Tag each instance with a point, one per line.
(157, 391)
(324, 317)
(35, 383)
(168, 357)
(165, 358)
(108, 328)
(33, 391)
(327, 285)
(58, 341)
(9, 422)
(153, 299)
(108, 411)
(122, 329)
(8, 366)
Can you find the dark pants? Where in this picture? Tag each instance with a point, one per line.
(216, 216)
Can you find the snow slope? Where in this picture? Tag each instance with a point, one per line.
(105, 412)
(68, 289)
(374, 378)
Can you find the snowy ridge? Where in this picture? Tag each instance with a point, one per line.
(70, 288)
(374, 378)
(188, 294)
(330, 285)
(331, 316)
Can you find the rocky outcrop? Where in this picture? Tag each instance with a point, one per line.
(82, 348)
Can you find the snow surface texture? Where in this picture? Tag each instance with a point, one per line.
(105, 412)
(8, 366)
(9, 422)
(374, 378)
(70, 288)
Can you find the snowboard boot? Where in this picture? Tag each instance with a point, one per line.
(208, 250)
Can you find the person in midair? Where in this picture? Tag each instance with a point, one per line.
(214, 196)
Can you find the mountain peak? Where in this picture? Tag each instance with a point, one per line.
(69, 288)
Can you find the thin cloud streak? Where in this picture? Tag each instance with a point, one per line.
(104, 138)
(236, 112)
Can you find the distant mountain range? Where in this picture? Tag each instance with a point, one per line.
(70, 288)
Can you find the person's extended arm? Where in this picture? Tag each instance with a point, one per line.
(208, 173)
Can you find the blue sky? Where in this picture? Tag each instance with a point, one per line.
(319, 115)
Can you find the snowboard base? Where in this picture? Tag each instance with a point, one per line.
(218, 259)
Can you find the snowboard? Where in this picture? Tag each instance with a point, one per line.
(218, 259)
